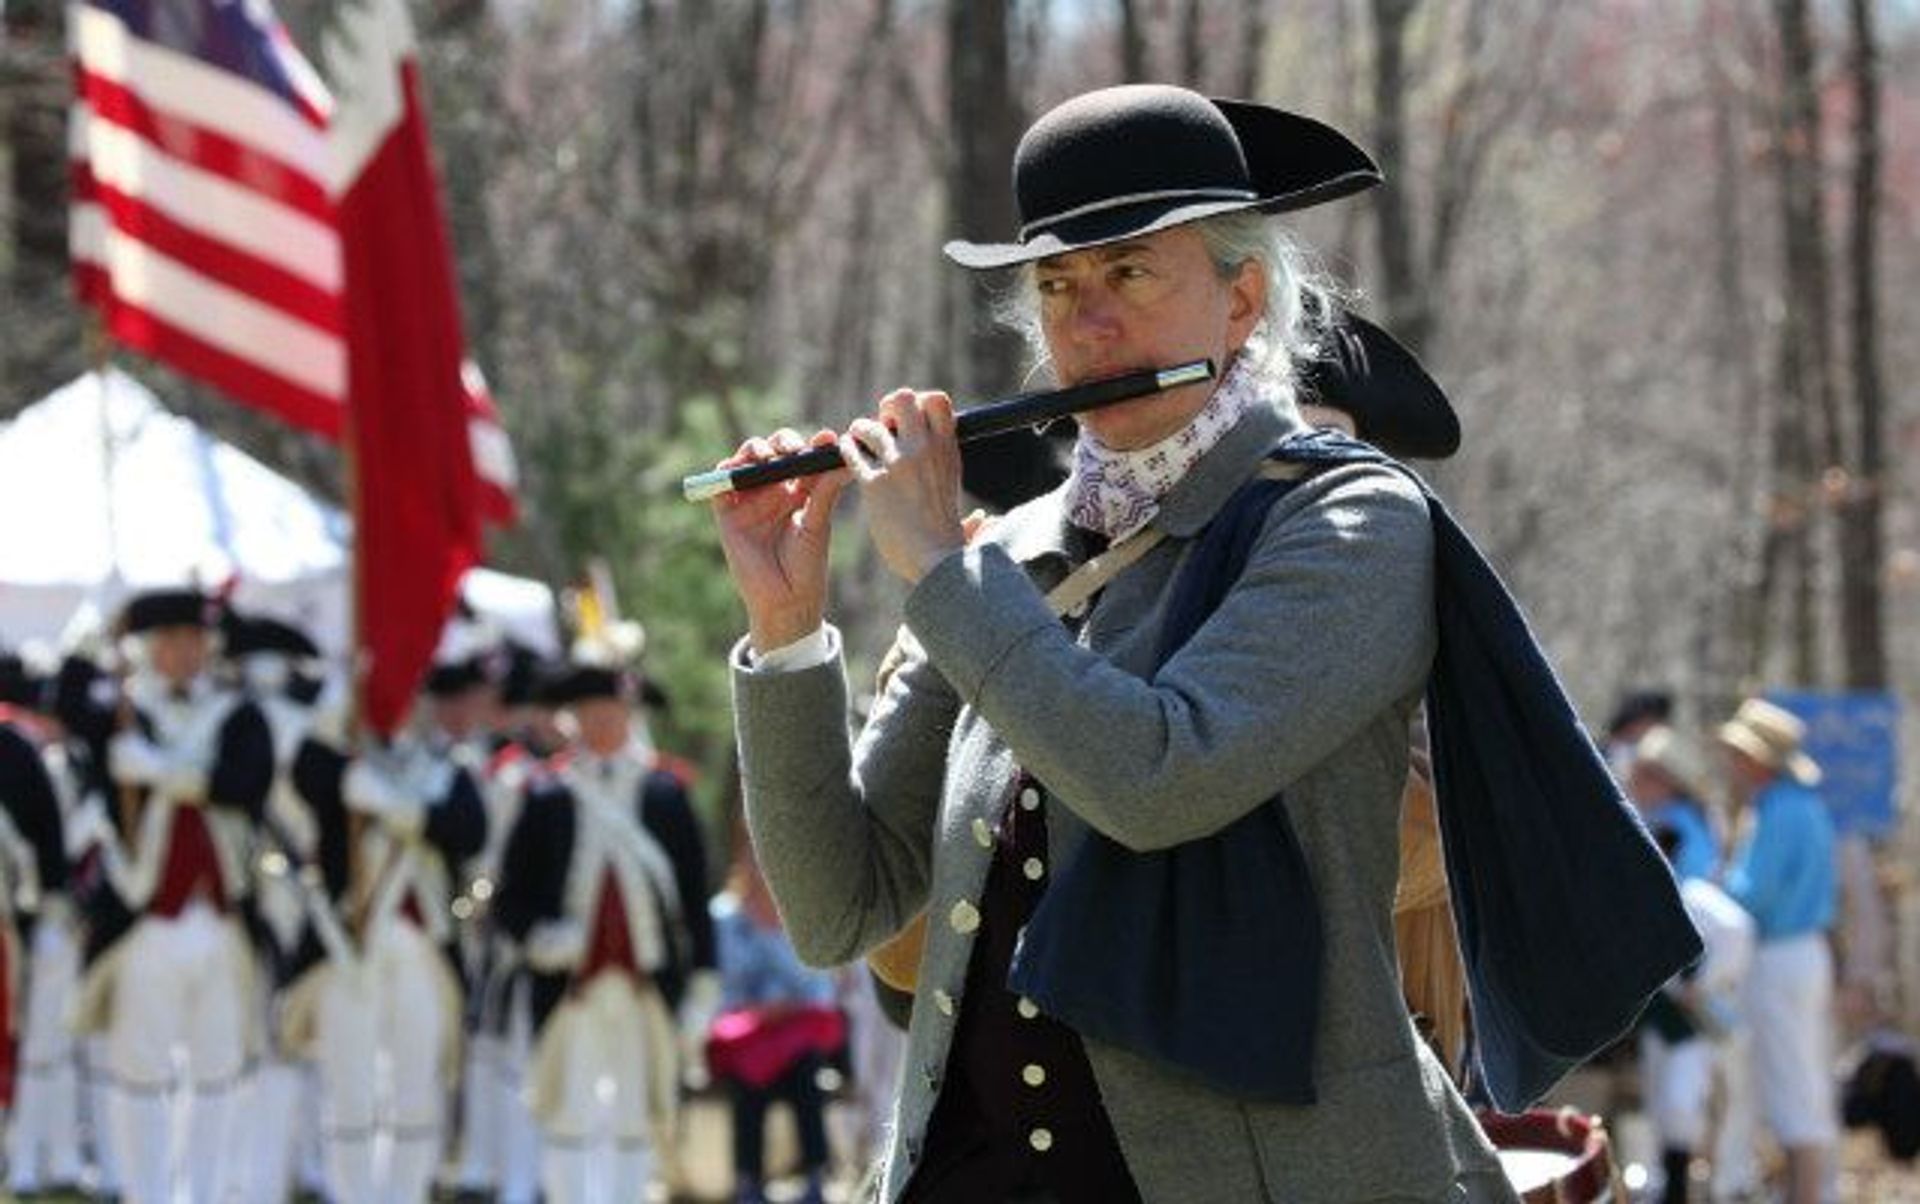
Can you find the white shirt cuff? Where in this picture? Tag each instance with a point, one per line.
(818, 647)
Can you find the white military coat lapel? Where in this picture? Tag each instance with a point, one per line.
(608, 835)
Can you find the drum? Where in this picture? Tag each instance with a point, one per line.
(1555, 1157)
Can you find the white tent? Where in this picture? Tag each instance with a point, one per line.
(106, 493)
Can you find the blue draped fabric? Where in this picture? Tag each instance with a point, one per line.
(1207, 956)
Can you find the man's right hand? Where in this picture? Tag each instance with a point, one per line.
(776, 539)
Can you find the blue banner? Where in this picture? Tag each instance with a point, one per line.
(1855, 738)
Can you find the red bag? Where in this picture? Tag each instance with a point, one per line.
(755, 1047)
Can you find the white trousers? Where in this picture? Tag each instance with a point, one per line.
(514, 1127)
(478, 1167)
(274, 1096)
(96, 1105)
(598, 1141)
(1790, 1010)
(499, 1144)
(1677, 1082)
(1736, 1157)
(43, 1137)
(381, 1031)
(179, 996)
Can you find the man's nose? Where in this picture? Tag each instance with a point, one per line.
(1096, 316)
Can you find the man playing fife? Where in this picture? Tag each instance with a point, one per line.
(1014, 731)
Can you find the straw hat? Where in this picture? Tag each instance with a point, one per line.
(1770, 735)
(1674, 755)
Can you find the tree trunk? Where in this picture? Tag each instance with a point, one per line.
(1408, 313)
(1862, 539)
(1252, 49)
(1808, 417)
(42, 345)
(1741, 399)
(1192, 46)
(985, 118)
(1133, 42)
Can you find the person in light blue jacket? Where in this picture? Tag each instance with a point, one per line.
(1665, 781)
(1783, 873)
(759, 971)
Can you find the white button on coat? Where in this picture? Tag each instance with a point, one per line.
(964, 917)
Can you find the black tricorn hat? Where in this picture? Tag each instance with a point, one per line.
(169, 608)
(1394, 404)
(1639, 705)
(450, 679)
(1129, 160)
(578, 682)
(19, 685)
(245, 635)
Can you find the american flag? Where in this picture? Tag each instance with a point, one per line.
(203, 224)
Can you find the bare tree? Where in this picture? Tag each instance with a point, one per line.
(1806, 416)
(42, 346)
(1133, 41)
(1407, 302)
(1192, 44)
(1251, 48)
(1862, 537)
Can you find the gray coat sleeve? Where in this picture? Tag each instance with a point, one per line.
(843, 829)
(1329, 626)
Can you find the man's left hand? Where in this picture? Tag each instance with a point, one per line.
(908, 464)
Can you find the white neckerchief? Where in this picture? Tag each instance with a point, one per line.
(1116, 492)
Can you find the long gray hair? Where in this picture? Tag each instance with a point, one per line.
(1299, 297)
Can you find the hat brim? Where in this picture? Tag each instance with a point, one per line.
(1798, 766)
(1294, 162)
(1396, 405)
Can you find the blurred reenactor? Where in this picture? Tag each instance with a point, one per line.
(599, 881)
(394, 819)
(1667, 781)
(1638, 712)
(86, 705)
(1370, 386)
(274, 663)
(192, 765)
(1783, 872)
(780, 1025)
(499, 1153)
(1686, 1027)
(38, 946)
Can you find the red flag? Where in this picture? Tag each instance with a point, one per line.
(201, 226)
(493, 461)
(419, 505)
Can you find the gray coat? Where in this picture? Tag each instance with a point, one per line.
(1302, 681)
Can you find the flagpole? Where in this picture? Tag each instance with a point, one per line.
(358, 894)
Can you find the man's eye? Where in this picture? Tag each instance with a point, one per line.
(1052, 287)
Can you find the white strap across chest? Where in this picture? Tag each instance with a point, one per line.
(1090, 578)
